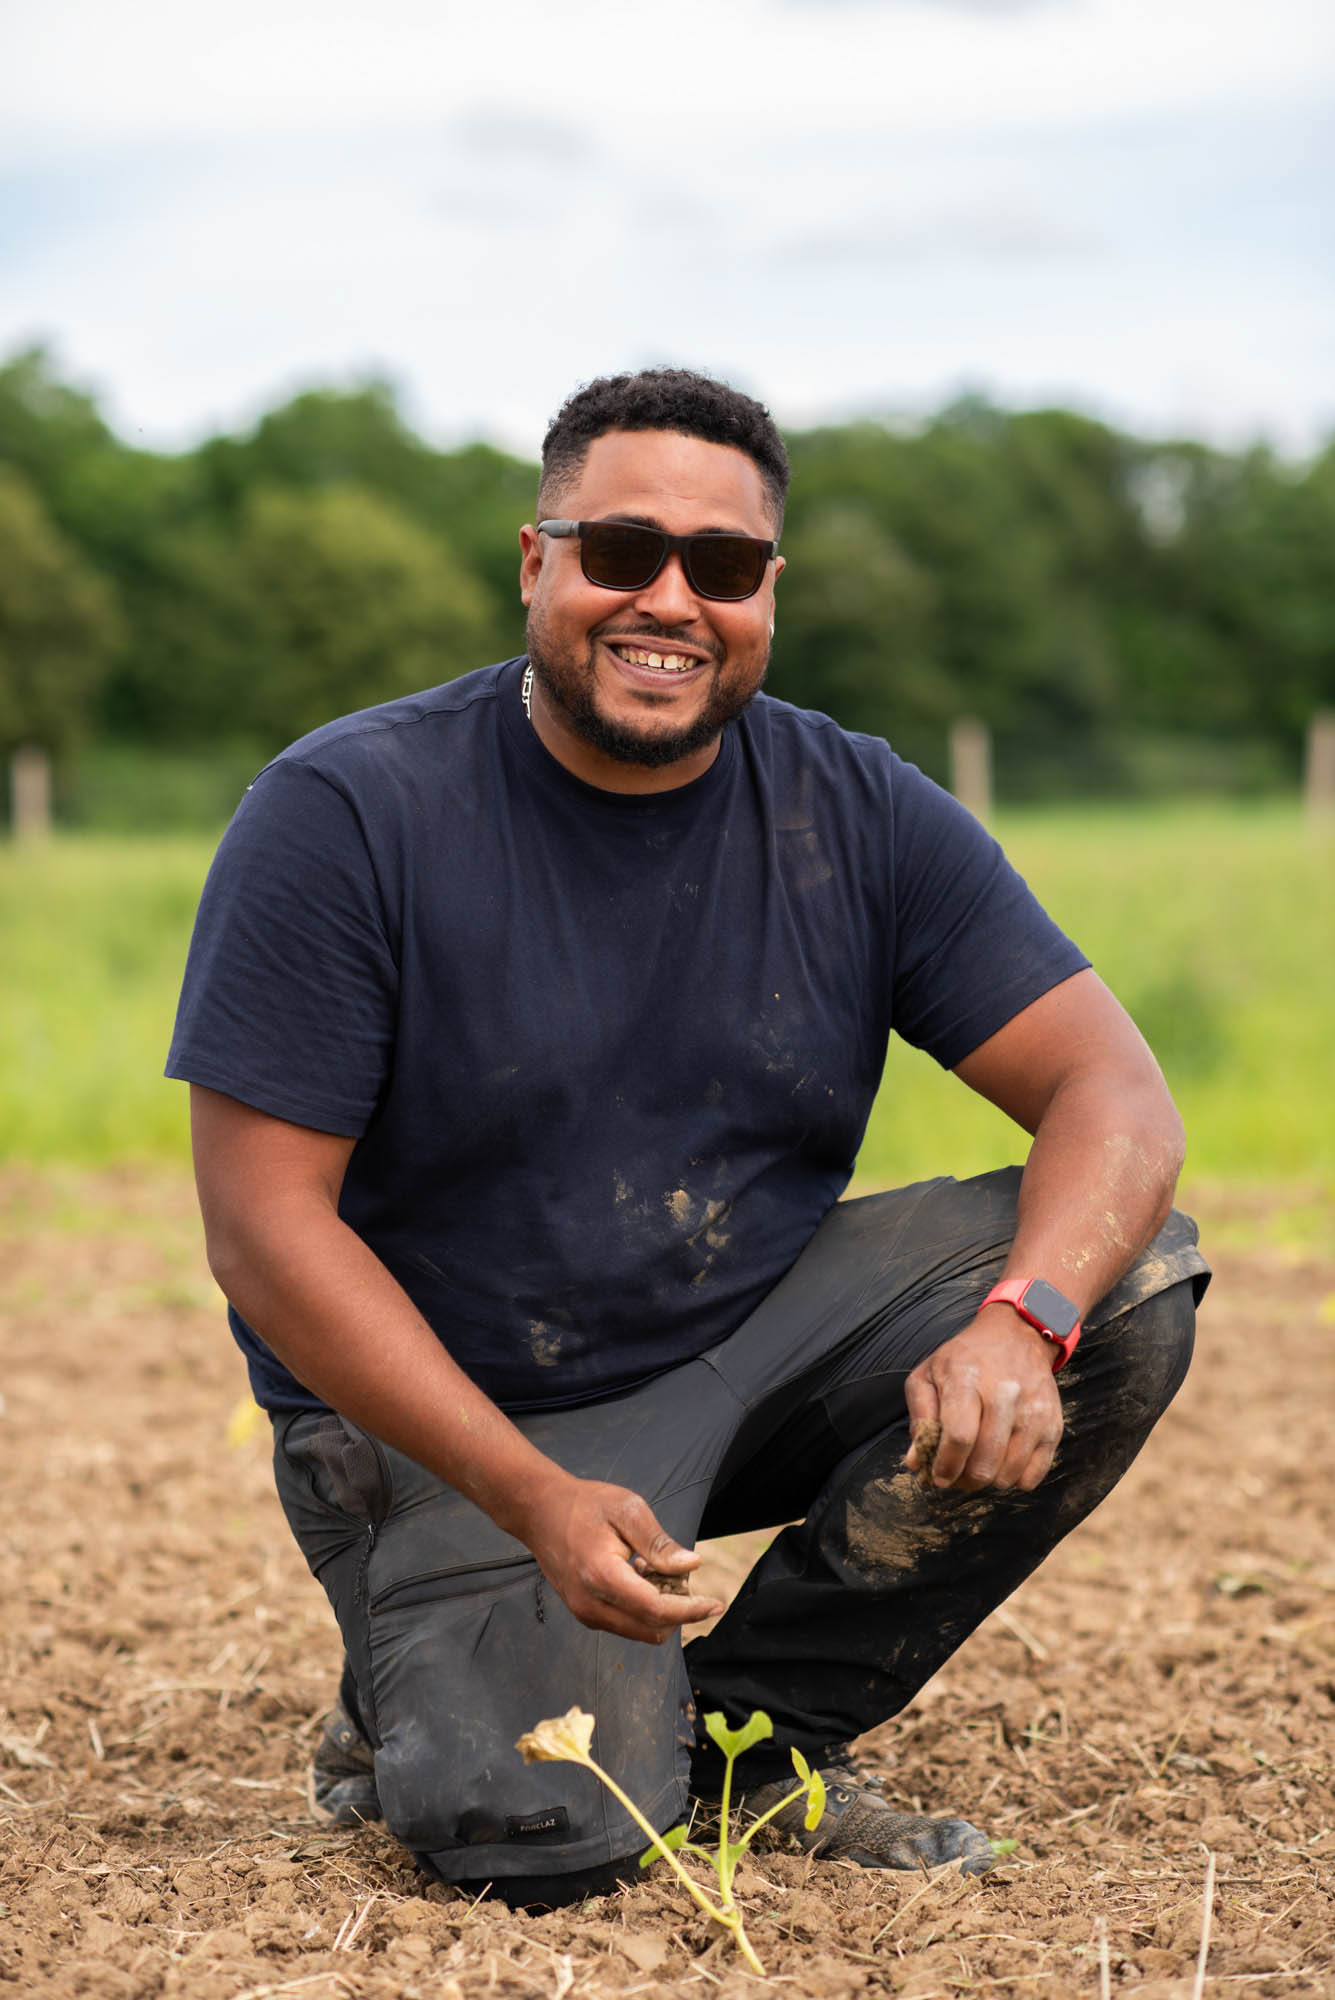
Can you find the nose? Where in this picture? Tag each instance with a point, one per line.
(669, 598)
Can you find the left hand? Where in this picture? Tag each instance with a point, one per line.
(991, 1389)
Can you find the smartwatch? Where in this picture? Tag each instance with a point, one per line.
(1045, 1308)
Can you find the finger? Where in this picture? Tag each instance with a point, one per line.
(673, 1561)
(1028, 1455)
(679, 1611)
(654, 1547)
(602, 1619)
(990, 1458)
(666, 1608)
(1039, 1465)
(1018, 1461)
(635, 1610)
(961, 1416)
(599, 1617)
(1038, 1429)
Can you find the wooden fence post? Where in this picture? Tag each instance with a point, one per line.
(30, 793)
(971, 765)
(1319, 785)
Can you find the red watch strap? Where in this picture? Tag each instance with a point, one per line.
(1010, 1292)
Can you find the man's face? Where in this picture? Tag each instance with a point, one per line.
(599, 705)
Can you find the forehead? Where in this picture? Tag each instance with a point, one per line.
(680, 483)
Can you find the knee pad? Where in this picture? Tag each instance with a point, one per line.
(536, 1893)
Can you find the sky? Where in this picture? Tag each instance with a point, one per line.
(846, 207)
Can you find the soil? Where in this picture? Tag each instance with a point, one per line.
(1149, 1720)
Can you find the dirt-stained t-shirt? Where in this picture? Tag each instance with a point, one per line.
(607, 1058)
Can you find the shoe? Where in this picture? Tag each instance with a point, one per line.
(342, 1776)
(858, 1826)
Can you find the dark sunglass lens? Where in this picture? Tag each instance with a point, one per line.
(620, 558)
(727, 565)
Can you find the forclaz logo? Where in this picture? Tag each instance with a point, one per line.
(520, 1826)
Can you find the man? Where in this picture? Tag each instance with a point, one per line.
(532, 1025)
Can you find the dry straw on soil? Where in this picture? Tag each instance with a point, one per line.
(1150, 1719)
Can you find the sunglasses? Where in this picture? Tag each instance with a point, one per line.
(618, 556)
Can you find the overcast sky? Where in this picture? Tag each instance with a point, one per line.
(845, 206)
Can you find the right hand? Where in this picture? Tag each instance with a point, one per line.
(588, 1537)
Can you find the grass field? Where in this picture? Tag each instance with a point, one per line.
(1215, 925)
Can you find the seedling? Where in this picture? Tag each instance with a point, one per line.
(566, 1739)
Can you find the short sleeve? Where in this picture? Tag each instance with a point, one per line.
(973, 945)
(290, 992)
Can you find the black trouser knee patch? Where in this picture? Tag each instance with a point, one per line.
(535, 1893)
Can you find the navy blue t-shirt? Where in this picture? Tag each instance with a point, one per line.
(607, 1058)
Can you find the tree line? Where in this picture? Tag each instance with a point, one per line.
(1122, 613)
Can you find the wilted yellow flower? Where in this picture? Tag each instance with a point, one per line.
(563, 1739)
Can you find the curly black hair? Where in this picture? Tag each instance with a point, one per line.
(663, 399)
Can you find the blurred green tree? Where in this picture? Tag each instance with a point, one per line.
(58, 624)
(473, 498)
(855, 628)
(350, 603)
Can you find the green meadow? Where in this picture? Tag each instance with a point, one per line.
(1214, 924)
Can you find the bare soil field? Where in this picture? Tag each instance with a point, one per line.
(1150, 1720)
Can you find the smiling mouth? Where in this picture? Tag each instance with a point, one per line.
(657, 661)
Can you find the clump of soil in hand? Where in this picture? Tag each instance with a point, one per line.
(925, 1441)
(670, 1586)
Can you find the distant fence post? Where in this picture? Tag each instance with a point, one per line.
(30, 793)
(1319, 788)
(971, 765)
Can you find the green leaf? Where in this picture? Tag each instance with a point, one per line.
(732, 1742)
(800, 1765)
(816, 1803)
(1000, 1847)
(674, 1837)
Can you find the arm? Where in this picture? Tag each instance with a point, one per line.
(1073, 1069)
(324, 1302)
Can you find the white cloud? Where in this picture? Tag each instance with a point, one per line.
(649, 84)
(840, 206)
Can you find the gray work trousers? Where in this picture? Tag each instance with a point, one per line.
(457, 1644)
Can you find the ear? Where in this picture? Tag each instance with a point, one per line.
(530, 561)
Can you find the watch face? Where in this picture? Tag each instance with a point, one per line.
(1050, 1307)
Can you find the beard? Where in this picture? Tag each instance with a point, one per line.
(569, 685)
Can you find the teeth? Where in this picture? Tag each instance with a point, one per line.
(673, 663)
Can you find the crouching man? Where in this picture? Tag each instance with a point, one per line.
(532, 1025)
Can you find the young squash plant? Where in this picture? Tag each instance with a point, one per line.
(567, 1739)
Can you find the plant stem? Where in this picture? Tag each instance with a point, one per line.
(725, 1913)
(725, 1820)
(797, 1792)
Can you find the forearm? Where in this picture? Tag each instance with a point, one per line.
(333, 1314)
(1097, 1186)
(1098, 1183)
